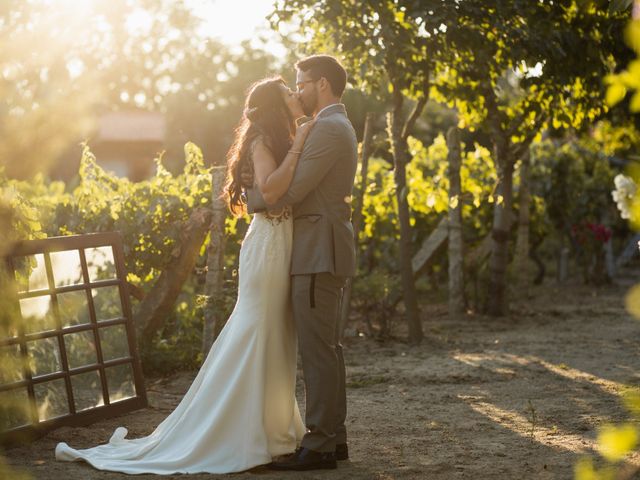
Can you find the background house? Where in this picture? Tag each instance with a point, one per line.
(126, 142)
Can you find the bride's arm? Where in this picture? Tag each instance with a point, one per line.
(273, 180)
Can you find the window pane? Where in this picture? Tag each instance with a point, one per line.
(120, 382)
(87, 390)
(37, 314)
(14, 409)
(67, 269)
(100, 263)
(31, 273)
(81, 350)
(107, 302)
(74, 309)
(114, 342)
(51, 399)
(12, 365)
(44, 356)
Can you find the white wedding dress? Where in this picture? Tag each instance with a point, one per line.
(241, 409)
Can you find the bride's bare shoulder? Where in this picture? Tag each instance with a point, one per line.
(260, 143)
(261, 150)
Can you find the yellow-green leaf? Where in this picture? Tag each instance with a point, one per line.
(634, 105)
(584, 470)
(634, 72)
(615, 93)
(632, 35)
(632, 301)
(616, 442)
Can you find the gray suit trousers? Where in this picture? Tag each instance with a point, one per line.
(316, 306)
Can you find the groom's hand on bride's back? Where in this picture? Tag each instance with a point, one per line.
(252, 195)
(255, 202)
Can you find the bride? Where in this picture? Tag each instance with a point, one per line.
(241, 409)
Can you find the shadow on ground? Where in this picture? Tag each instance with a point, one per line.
(520, 397)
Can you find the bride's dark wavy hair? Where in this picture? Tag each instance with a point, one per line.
(265, 114)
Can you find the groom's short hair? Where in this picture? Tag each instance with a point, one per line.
(328, 67)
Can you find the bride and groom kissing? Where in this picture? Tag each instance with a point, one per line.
(241, 411)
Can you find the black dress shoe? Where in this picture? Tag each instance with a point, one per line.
(305, 459)
(342, 451)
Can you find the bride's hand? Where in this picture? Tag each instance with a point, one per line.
(302, 132)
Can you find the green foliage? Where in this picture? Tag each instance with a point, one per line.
(428, 202)
(429, 181)
(177, 345)
(576, 176)
(382, 49)
(573, 180)
(150, 215)
(26, 205)
(428, 190)
(627, 80)
(615, 443)
(515, 66)
(571, 184)
(510, 68)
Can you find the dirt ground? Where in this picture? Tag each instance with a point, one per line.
(520, 397)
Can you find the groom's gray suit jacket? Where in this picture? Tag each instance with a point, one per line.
(320, 194)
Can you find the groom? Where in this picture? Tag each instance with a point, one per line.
(323, 257)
